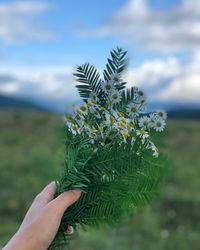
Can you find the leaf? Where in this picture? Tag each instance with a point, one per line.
(128, 96)
(89, 79)
(116, 64)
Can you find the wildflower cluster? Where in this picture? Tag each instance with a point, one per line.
(110, 153)
(109, 125)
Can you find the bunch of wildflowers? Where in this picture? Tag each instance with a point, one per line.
(108, 125)
(110, 153)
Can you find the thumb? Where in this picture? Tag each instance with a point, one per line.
(66, 199)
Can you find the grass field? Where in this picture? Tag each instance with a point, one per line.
(31, 156)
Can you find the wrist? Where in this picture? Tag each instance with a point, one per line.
(23, 240)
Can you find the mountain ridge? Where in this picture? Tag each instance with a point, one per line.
(174, 110)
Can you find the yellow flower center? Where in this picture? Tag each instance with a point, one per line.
(123, 120)
(125, 136)
(122, 114)
(143, 132)
(128, 127)
(156, 149)
(103, 108)
(69, 120)
(85, 124)
(92, 130)
(118, 114)
(131, 124)
(101, 128)
(75, 128)
(89, 104)
(134, 138)
(79, 112)
(111, 118)
(120, 125)
(83, 108)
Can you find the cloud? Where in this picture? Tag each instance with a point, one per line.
(165, 80)
(168, 80)
(20, 22)
(136, 23)
(51, 86)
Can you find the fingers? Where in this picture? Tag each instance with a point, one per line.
(69, 230)
(46, 195)
(63, 201)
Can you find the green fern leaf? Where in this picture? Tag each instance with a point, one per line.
(89, 81)
(116, 64)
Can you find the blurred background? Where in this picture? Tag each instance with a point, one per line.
(41, 43)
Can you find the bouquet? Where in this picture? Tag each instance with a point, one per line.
(110, 152)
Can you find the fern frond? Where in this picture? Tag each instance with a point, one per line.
(89, 81)
(128, 95)
(116, 64)
(108, 175)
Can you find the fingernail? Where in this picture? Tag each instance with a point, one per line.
(69, 230)
(76, 191)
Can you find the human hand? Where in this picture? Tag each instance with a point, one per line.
(42, 220)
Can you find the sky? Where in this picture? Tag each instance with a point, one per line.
(41, 43)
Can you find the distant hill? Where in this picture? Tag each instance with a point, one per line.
(8, 102)
(191, 113)
(173, 110)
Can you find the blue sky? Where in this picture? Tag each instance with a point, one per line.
(42, 41)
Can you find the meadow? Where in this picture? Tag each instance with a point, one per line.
(31, 155)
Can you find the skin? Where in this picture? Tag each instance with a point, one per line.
(42, 220)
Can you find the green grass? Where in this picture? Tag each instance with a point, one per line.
(31, 156)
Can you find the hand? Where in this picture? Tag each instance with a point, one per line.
(42, 220)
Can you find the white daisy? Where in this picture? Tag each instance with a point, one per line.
(93, 96)
(101, 129)
(130, 125)
(155, 150)
(133, 139)
(159, 125)
(90, 104)
(140, 93)
(107, 86)
(142, 103)
(162, 114)
(152, 119)
(74, 129)
(142, 133)
(116, 78)
(115, 96)
(68, 123)
(83, 109)
(92, 132)
(133, 109)
(118, 115)
(124, 136)
(109, 119)
(144, 122)
(96, 114)
(119, 126)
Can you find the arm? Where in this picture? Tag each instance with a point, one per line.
(42, 220)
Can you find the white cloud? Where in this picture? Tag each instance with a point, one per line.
(9, 87)
(177, 29)
(168, 80)
(52, 86)
(165, 80)
(20, 22)
(184, 88)
(154, 72)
